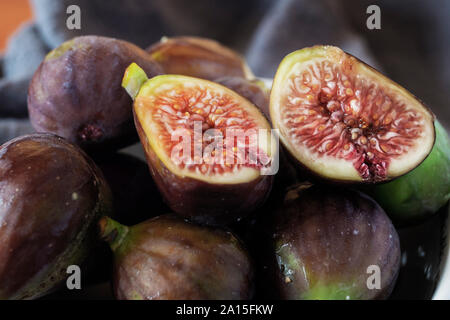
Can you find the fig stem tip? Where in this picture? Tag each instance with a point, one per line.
(133, 80)
(112, 232)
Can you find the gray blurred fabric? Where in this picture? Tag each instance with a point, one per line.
(412, 46)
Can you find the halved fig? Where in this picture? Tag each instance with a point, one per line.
(210, 151)
(198, 57)
(345, 121)
(253, 90)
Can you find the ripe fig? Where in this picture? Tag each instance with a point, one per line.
(188, 128)
(424, 190)
(76, 92)
(253, 90)
(198, 57)
(51, 197)
(167, 258)
(329, 242)
(344, 121)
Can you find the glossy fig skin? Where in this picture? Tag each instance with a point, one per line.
(51, 197)
(167, 258)
(76, 92)
(253, 90)
(324, 241)
(202, 202)
(198, 57)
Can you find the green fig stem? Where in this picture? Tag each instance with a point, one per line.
(112, 232)
(133, 79)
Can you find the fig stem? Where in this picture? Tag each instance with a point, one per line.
(112, 232)
(133, 79)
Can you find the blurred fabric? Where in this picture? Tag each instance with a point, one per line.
(412, 46)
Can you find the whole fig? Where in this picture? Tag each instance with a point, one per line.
(76, 92)
(167, 258)
(51, 195)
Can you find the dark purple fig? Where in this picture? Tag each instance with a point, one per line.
(136, 197)
(253, 90)
(334, 244)
(76, 92)
(167, 258)
(51, 197)
(198, 57)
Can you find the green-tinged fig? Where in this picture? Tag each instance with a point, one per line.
(135, 196)
(76, 92)
(210, 151)
(422, 191)
(334, 244)
(198, 57)
(253, 90)
(344, 121)
(51, 197)
(167, 258)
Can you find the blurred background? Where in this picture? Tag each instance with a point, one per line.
(412, 46)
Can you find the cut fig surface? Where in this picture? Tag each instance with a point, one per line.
(345, 121)
(210, 150)
(170, 103)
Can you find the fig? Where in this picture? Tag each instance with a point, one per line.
(424, 190)
(167, 258)
(76, 92)
(210, 151)
(253, 90)
(135, 196)
(198, 57)
(326, 241)
(343, 121)
(51, 198)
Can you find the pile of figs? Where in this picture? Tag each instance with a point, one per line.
(248, 192)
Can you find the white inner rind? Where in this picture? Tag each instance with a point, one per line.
(145, 104)
(340, 168)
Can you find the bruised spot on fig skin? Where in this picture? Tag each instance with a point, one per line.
(90, 132)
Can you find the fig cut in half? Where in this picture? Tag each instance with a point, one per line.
(210, 151)
(346, 122)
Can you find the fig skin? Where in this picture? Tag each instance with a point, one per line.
(52, 196)
(167, 258)
(135, 196)
(421, 192)
(76, 92)
(253, 90)
(198, 57)
(324, 240)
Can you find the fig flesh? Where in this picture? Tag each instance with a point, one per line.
(167, 258)
(210, 151)
(325, 242)
(198, 57)
(253, 90)
(424, 190)
(344, 121)
(51, 197)
(76, 92)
